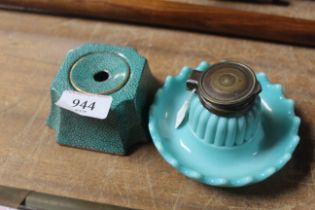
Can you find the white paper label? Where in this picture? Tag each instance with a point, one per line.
(89, 105)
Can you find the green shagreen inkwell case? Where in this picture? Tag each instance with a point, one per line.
(101, 69)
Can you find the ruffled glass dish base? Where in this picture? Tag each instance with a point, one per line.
(248, 163)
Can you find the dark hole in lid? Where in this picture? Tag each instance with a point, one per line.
(101, 76)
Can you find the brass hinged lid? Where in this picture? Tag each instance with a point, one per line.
(227, 87)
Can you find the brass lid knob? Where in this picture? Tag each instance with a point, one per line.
(225, 88)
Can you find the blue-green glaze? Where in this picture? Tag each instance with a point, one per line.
(224, 131)
(114, 64)
(224, 161)
(133, 84)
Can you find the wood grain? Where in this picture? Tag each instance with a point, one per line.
(33, 47)
(12, 197)
(184, 16)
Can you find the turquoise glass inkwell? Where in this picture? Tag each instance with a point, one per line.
(238, 129)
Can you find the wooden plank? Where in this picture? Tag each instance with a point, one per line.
(33, 47)
(211, 19)
(12, 197)
(49, 202)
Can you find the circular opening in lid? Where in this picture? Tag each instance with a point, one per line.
(99, 72)
(101, 76)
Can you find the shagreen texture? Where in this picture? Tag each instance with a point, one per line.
(127, 79)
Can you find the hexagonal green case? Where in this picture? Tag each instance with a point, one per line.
(104, 69)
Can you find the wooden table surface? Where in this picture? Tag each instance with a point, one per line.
(33, 47)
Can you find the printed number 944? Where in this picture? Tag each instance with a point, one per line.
(84, 104)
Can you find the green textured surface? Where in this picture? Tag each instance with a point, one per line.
(117, 67)
(124, 125)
